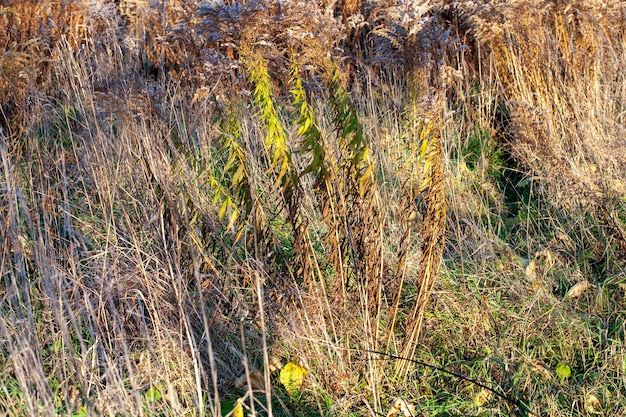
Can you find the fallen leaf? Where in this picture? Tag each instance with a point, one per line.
(153, 394)
(548, 258)
(592, 404)
(536, 285)
(292, 376)
(238, 410)
(257, 381)
(275, 363)
(531, 270)
(579, 289)
(400, 405)
(563, 371)
(541, 370)
(482, 397)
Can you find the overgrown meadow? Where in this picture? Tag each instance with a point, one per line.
(313, 208)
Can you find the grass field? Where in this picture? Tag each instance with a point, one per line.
(331, 208)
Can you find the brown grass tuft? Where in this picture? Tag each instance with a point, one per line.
(195, 194)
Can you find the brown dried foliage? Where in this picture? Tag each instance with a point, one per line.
(560, 65)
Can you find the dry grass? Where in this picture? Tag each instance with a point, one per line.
(194, 195)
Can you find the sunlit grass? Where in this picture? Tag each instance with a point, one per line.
(178, 225)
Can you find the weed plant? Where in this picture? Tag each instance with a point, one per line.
(418, 204)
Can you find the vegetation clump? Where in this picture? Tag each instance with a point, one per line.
(312, 208)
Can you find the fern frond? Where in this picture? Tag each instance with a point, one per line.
(275, 141)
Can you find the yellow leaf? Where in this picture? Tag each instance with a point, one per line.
(238, 410)
(233, 218)
(593, 404)
(292, 376)
(223, 209)
(531, 270)
(193, 219)
(482, 397)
